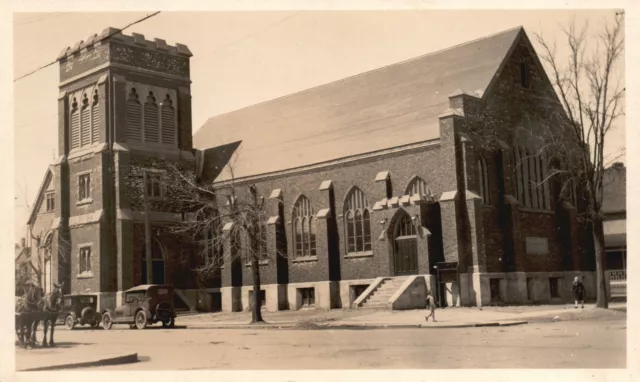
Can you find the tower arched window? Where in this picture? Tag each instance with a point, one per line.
(357, 222)
(418, 186)
(483, 181)
(75, 125)
(304, 228)
(133, 116)
(168, 121)
(95, 118)
(151, 125)
(85, 122)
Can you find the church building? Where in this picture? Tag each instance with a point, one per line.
(379, 185)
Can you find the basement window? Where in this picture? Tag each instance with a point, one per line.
(494, 287)
(358, 290)
(308, 296)
(554, 287)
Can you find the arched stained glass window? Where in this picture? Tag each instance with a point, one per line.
(357, 222)
(304, 228)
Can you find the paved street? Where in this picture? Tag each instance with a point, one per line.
(564, 344)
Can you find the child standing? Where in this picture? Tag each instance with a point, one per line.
(431, 305)
(578, 292)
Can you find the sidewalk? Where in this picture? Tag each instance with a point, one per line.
(363, 318)
(69, 357)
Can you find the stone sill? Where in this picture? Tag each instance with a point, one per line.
(304, 259)
(536, 211)
(85, 275)
(261, 262)
(355, 255)
(84, 202)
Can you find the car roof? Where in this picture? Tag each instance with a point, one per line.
(145, 287)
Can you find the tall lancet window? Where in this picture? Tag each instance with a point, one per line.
(357, 222)
(304, 228)
(85, 122)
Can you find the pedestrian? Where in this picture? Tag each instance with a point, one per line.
(431, 305)
(578, 292)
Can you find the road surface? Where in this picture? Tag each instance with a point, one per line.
(588, 344)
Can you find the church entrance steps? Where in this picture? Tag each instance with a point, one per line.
(379, 297)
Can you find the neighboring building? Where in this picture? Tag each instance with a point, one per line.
(377, 191)
(614, 208)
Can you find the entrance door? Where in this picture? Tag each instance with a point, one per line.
(405, 247)
(157, 263)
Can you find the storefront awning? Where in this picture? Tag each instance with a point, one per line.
(615, 233)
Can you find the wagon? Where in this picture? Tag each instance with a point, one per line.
(143, 305)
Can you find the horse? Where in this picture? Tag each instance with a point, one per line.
(50, 310)
(27, 312)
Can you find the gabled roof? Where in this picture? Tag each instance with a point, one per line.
(388, 107)
(46, 180)
(614, 187)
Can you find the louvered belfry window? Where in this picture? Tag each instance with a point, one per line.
(150, 115)
(75, 125)
(95, 119)
(84, 118)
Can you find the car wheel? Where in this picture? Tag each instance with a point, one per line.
(141, 319)
(69, 322)
(106, 321)
(170, 323)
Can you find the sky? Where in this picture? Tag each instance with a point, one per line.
(242, 58)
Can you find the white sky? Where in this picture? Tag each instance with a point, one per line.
(241, 58)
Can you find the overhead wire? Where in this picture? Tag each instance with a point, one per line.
(103, 38)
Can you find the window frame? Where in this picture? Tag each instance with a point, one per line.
(50, 196)
(357, 223)
(154, 176)
(304, 229)
(85, 255)
(84, 187)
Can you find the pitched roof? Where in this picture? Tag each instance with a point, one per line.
(614, 186)
(46, 180)
(380, 109)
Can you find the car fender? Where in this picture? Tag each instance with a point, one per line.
(72, 314)
(110, 312)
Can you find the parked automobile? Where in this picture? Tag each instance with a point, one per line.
(80, 309)
(143, 305)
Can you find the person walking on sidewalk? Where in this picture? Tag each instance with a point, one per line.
(578, 292)
(431, 305)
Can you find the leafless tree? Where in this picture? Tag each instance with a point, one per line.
(577, 116)
(228, 223)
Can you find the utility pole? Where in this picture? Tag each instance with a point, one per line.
(147, 230)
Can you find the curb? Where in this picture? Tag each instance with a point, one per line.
(357, 327)
(119, 360)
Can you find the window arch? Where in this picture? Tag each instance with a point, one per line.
(304, 228)
(95, 118)
(531, 182)
(483, 181)
(418, 186)
(168, 121)
(357, 222)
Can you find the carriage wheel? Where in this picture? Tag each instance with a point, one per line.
(141, 319)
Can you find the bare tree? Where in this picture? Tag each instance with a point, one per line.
(569, 124)
(228, 223)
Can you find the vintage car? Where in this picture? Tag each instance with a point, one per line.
(80, 309)
(143, 305)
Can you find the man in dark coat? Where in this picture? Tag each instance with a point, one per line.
(578, 292)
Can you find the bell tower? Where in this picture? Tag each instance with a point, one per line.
(122, 98)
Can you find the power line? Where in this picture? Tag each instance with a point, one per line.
(106, 37)
(244, 38)
(47, 16)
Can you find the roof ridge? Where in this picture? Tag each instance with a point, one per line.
(366, 72)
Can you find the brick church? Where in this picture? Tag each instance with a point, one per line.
(374, 184)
